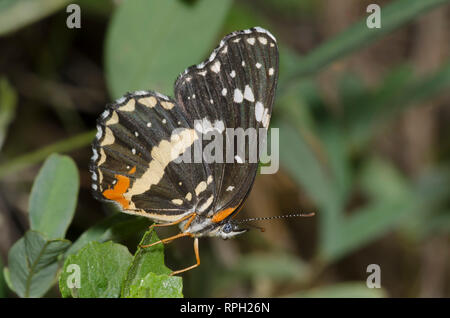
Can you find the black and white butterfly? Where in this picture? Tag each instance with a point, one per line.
(142, 135)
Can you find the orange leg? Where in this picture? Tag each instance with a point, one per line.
(197, 256)
(167, 240)
(191, 215)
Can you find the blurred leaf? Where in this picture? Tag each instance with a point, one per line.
(3, 287)
(399, 90)
(276, 267)
(382, 181)
(146, 260)
(150, 42)
(303, 157)
(97, 7)
(7, 278)
(369, 223)
(353, 93)
(115, 227)
(23, 161)
(394, 15)
(296, 104)
(335, 144)
(243, 16)
(342, 290)
(102, 269)
(392, 201)
(8, 103)
(54, 196)
(156, 286)
(33, 263)
(15, 14)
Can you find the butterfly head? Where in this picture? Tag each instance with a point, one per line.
(230, 229)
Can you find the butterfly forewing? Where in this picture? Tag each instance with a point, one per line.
(234, 88)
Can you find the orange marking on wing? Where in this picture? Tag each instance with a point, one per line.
(132, 170)
(219, 216)
(116, 193)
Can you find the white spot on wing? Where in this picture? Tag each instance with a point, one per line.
(258, 65)
(251, 41)
(95, 155)
(128, 107)
(262, 40)
(224, 92)
(271, 71)
(233, 74)
(216, 67)
(200, 188)
(248, 94)
(177, 201)
(105, 114)
(230, 188)
(238, 97)
(238, 159)
(259, 110)
(266, 119)
(99, 133)
(206, 204)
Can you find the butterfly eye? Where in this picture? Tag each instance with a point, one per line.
(227, 228)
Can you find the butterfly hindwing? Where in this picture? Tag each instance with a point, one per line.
(133, 165)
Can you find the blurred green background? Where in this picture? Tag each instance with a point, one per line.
(364, 123)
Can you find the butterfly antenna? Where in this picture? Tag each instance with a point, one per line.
(276, 217)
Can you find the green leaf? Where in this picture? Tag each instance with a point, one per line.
(102, 268)
(146, 260)
(342, 290)
(400, 90)
(8, 103)
(157, 286)
(380, 180)
(277, 267)
(33, 263)
(15, 14)
(113, 228)
(150, 42)
(394, 15)
(7, 278)
(302, 155)
(54, 196)
(3, 288)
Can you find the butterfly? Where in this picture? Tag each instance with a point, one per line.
(142, 136)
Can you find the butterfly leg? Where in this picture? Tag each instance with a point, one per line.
(191, 215)
(167, 240)
(197, 256)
